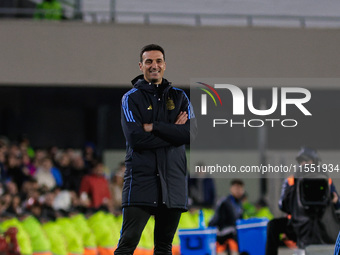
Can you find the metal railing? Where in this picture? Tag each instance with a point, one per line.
(199, 19)
(249, 19)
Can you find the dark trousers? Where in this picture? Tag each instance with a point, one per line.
(276, 227)
(134, 221)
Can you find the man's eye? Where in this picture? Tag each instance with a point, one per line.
(147, 62)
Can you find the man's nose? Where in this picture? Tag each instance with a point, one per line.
(154, 65)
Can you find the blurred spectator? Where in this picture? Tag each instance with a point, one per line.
(14, 150)
(5, 202)
(202, 190)
(4, 141)
(14, 168)
(77, 172)
(48, 176)
(229, 209)
(262, 210)
(78, 204)
(25, 147)
(95, 187)
(11, 188)
(15, 205)
(64, 165)
(47, 209)
(38, 239)
(3, 152)
(28, 165)
(116, 188)
(2, 188)
(52, 152)
(62, 199)
(40, 155)
(249, 209)
(30, 189)
(49, 9)
(90, 155)
(37, 186)
(34, 206)
(258, 210)
(71, 152)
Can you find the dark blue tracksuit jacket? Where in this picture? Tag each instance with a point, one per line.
(156, 166)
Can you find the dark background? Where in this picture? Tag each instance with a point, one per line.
(71, 116)
(321, 130)
(63, 116)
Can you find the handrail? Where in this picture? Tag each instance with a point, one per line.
(65, 2)
(28, 11)
(249, 18)
(197, 18)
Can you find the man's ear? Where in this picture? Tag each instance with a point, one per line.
(140, 66)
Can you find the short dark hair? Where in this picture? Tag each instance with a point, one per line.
(307, 153)
(237, 182)
(150, 47)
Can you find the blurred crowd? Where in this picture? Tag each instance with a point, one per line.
(45, 182)
(53, 185)
(49, 181)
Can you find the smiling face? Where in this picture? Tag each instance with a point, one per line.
(153, 66)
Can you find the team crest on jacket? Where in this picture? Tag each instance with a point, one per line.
(170, 105)
(149, 108)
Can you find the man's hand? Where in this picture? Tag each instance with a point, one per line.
(148, 127)
(181, 118)
(335, 198)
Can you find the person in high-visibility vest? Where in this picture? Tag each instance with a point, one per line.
(73, 238)
(41, 245)
(56, 237)
(103, 230)
(89, 240)
(23, 238)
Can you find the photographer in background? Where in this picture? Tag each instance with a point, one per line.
(307, 222)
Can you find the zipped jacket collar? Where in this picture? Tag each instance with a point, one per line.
(140, 83)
